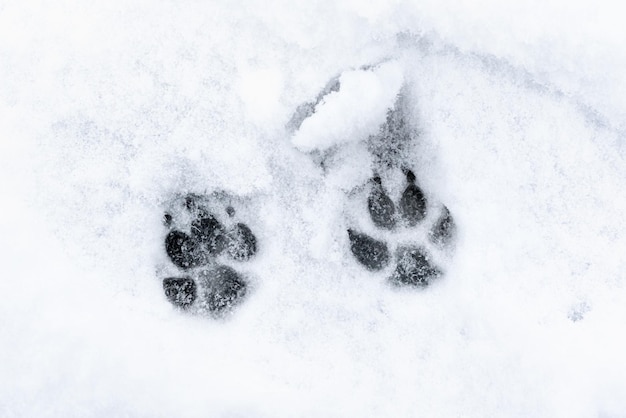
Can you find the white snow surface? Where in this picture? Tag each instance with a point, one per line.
(354, 112)
(108, 109)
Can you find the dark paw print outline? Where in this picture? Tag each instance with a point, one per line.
(390, 148)
(414, 264)
(208, 234)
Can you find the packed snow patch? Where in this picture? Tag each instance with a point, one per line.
(357, 110)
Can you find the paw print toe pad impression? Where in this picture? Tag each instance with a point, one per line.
(413, 202)
(183, 250)
(180, 291)
(371, 253)
(380, 206)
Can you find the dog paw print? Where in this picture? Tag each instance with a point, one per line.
(394, 228)
(205, 243)
(406, 246)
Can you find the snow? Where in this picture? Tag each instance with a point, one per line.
(354, 112)
(107, 110)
